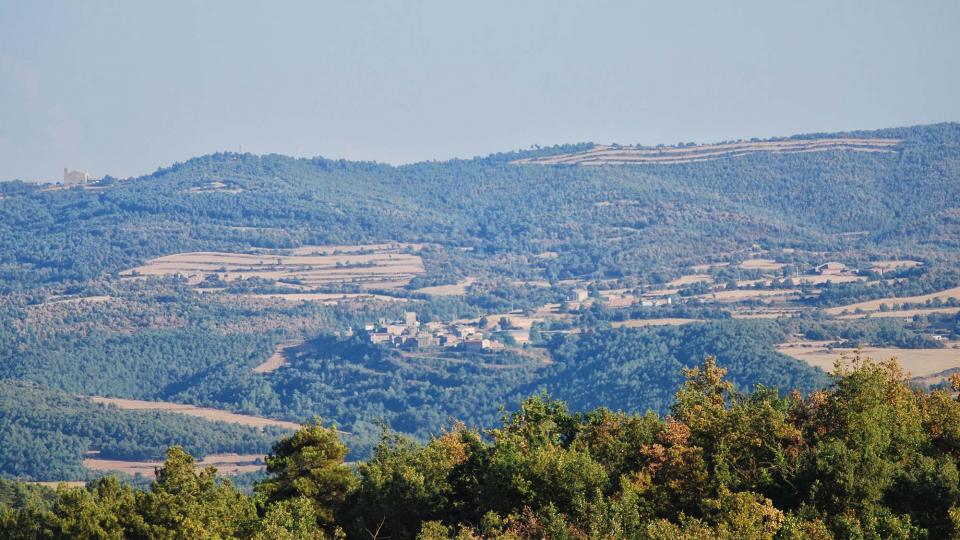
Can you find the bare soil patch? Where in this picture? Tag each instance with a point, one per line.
(215, 415)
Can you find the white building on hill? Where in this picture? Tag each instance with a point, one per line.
(74, 177)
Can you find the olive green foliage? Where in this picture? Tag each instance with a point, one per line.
(868, 457)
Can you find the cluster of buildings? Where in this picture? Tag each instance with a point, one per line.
(409, 333)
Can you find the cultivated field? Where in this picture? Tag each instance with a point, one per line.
(900, 313)
(917, 362)
(726, 296)
(688, 280)
(894, 264)
(640, 323)
(761, 264)
(874, 305)
(215, 415)
(620, 155)
(279, 357)
(456, 289)
(226, 464)
(326, 298)
(372, 266)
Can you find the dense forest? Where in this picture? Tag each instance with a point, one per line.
(867, 457)
(46, 433)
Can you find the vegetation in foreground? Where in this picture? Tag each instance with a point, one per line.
(868, 457)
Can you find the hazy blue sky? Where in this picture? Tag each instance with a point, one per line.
(124, 87)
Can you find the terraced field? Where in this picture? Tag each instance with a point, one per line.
(375, 266)
(621, 155)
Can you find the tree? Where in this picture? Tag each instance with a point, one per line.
(310, 464)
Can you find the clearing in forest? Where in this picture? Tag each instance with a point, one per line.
(279, 358)
(373, 266)
(214, 415)
(917, 362)
(874, 305)
(226, 464)
(640, 323)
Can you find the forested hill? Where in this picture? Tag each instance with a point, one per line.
(608, 220)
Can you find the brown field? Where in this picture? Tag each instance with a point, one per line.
(214, 415)
(327, 298)
(457, 289)
(917, 362)
(762, 313)
(226, 464)
(379, 265)
(278, 359)
(640, 323)
(612, 155)
(894, 264)
(818, 279)
(687, 280)
(874, 305)
(900, 313)
(738, 295)
(761, 264)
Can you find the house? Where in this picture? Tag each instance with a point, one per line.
(578, 295)
(74, 177)
(831, 268)
(476, 344)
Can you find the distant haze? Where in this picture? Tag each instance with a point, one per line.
(121, 88)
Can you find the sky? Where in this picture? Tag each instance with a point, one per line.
(125, 87)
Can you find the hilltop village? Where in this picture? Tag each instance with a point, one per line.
(409, 333)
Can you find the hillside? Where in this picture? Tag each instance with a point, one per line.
(416, 296)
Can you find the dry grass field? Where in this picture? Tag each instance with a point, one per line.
(894, 264)
(688, 280)
(640, 323)
(215, 415)
(371, 266)
(900, 313)
(761, 264)
(778, 295)
(226, 464)
(456, 289)
(917, 362)
(764, 313)
(620, 155)
(874, 305)
(278, 359)
(326, 298)
(817, 280)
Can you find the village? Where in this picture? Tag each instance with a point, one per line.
(409, 333)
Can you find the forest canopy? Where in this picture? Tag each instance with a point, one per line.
(867, 457)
